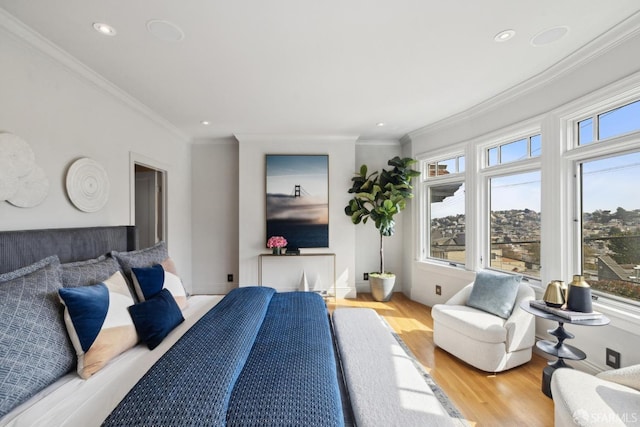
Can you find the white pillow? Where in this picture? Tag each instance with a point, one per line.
(98, 322)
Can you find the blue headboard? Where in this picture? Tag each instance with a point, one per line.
(24, 247)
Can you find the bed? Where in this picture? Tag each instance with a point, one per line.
(252, 357)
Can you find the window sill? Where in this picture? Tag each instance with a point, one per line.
(455, 272)
(428, 263)
(623, 316)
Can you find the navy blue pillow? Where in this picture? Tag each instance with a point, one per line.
(88, 307)
(156, 317)
(148, 281)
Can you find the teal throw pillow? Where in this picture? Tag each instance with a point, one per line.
(494, 292)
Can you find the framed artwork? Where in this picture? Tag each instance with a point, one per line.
(297, 189)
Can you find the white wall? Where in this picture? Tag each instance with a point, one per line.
(215, 198)
(375, 155)
(65, 114)
(560, 85)
(251, 215)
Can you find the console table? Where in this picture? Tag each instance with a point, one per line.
(559, 349)
(286, 272)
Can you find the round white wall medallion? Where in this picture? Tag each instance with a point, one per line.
(8, 181)
(32, 189)
(22, 182)
(87, 185)
(17, 153)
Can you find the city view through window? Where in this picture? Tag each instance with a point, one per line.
(611, 225)
(515, 223)
(609, 208)
(447, 222)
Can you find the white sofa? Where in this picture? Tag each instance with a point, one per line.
(484, 340)
(611, 398)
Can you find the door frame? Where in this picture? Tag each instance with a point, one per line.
(139, 159)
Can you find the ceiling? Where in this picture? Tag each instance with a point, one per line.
(322, 67)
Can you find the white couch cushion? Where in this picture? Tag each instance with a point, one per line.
(469, 321)
(585, 400)
(629, 376)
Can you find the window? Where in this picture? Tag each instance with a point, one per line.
(445, 207)
(514, 225)
(607, 166)
(447, 231)
(616, 122)
(454, 165)
(513, 179)
(610, 212)
(491, 215)
(514, 151)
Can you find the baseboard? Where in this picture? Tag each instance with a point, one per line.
(346, 292)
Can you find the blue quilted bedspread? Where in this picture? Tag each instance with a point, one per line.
(286, 378)
(258, 358)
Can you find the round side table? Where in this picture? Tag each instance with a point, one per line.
(559, 349)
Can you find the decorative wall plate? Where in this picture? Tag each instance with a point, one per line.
(32, 189)
(22, 183)
(17, 152)
(87, 185)
(8, 180)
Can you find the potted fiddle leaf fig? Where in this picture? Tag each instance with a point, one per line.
(379, 196)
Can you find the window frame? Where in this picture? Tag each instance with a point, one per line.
(527, 129)
(561, 244)
(505, 142)
(426, 182)
(595, 116)
(575, 156)
(615, 95)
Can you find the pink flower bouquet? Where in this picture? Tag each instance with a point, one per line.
(276, 242)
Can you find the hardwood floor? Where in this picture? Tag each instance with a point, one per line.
(511, 398)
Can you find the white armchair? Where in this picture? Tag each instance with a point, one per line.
(484, 340)
(611, 398)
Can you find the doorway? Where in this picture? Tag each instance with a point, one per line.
(149, 204)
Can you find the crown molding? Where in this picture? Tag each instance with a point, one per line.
(378, 142)
(597, 47)
(215, 141)
(243, 137)
(22, 32)
(406, 139)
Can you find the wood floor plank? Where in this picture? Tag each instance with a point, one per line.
(511, 398)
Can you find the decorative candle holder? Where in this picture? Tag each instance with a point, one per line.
(579, 295)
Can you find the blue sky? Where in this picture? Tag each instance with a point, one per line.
(311, 172)
(611, 183)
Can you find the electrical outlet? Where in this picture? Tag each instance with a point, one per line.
(365, 276)
(613, 358)
(438, 290)
(229, 277)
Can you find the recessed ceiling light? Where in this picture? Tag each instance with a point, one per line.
(165, 30)
(105, 29)
(380, 124)
(505, 35)
(205, 122)
(549, 36)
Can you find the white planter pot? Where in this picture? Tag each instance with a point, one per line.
(382, 287)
